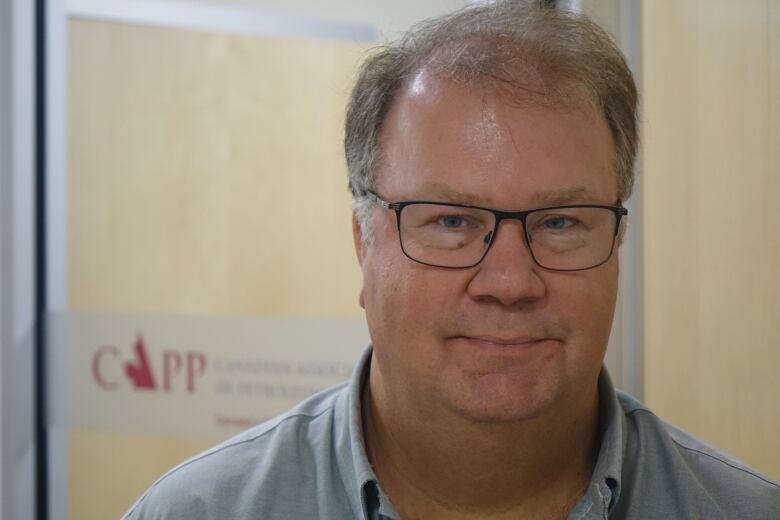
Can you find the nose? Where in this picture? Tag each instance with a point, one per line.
(508, 273)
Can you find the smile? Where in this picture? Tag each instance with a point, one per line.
(504, 343)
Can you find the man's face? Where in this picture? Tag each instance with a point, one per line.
(507, 339)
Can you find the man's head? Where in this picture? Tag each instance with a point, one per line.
(509, 106)
(522, 48)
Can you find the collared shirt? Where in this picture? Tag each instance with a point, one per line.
(311, 463)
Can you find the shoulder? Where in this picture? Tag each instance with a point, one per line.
(265, 471)
(695, 474)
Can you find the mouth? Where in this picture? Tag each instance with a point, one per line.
(494, 342)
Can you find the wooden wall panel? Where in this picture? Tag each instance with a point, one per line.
(206, 173)
(712, 248)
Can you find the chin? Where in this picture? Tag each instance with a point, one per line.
(495, 415)
(504, 401)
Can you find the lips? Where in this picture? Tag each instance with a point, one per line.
(518, 340)
(496, 337)
(504, 341)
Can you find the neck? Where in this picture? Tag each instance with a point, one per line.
(432, 465)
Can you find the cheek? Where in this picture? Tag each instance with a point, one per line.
(404, 301)
(589, 303)
(390, 294)
(386, 290)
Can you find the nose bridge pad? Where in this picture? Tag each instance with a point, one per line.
(523, 233)
(525, 237)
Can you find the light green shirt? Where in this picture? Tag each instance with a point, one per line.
(311, 463)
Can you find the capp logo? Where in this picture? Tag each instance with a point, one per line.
(170, 371)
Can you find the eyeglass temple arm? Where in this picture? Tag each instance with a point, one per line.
(376, 199)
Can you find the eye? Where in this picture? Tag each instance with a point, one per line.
(452, 221)
(557, 222)
(437, 218)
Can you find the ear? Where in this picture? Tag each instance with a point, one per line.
(357, 237)
(360, 251)
(621, 235)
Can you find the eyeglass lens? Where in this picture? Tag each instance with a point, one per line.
(454, 236)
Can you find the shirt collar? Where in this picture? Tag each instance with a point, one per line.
(367, 498)
(605, 484)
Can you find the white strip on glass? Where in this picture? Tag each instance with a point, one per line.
(197, 377)
(201, 16)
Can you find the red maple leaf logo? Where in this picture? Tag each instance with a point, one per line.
(140, 372)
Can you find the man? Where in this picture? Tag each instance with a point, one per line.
(489, 153)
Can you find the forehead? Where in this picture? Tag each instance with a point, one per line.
(480, 145)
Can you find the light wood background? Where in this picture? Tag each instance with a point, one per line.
(206, 175)
(711, 179)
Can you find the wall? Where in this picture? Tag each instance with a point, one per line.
(711, 125)
(205, 171)
(389, 18)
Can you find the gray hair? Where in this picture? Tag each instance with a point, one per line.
(521, 47)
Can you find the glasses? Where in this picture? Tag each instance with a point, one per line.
(458, 236)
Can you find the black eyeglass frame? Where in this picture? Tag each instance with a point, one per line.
(499, 215)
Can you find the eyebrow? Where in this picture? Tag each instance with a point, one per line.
(564, 196)
(447, 194)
